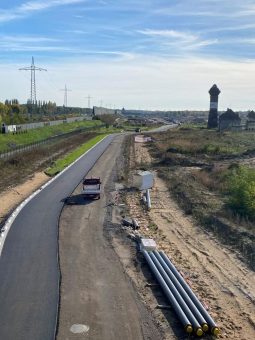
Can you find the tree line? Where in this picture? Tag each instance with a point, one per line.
(12, 112)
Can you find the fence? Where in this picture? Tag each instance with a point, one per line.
(21, 148)
(36, 125)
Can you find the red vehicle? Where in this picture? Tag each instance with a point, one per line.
(91, 187)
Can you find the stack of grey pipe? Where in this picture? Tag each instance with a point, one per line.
(189, 309)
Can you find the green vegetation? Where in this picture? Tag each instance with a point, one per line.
(7, 141)
(212, 177)
(195, 140)
(60, 164)
(241, 189)
(205, 171)
(12, 112)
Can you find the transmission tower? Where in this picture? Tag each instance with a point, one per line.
(89, 97)
(32, 69)
(65, 95)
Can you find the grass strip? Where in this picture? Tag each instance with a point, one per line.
(8, 140)
(62, 163)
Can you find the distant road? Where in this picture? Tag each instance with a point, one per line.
(29, 271)
(163, 128)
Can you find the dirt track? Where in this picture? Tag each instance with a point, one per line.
(223, 282)
(95, 290)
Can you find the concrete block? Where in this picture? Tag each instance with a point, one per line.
(148, 244)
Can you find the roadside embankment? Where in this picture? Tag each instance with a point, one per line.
(215, 272)
(10, 141)
(62, 163)
(23, 174)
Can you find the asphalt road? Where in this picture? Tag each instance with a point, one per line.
(162, 128)
(96, 292)
(29, 269)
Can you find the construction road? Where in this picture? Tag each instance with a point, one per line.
(29, 269)
(95, 290)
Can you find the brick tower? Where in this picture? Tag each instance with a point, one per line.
(213, 113)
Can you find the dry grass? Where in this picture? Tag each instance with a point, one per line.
(200, 141)
(18, 168)
(212, 178)
(197, 165)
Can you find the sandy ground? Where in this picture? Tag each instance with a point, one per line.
(223, 283)
(95, 290)
(12, 197)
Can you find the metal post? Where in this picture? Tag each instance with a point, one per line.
(148, 198)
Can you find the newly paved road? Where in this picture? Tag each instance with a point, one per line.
(29, 272)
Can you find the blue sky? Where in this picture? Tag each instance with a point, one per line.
(137, 54)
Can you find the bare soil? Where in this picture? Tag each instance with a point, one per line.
(95, 290)
(15, 195)
(23, 173)
(18, 168)
(224, 284)
(222, 281)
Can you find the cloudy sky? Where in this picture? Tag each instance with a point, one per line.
(150, 54)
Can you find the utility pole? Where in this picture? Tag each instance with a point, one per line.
(89, 97)
(65, 95)
(32, 69)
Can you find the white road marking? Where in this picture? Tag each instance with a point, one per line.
(7, 226)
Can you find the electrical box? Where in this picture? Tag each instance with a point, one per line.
(143, 180)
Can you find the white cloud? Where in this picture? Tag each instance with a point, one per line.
(169, 34)
(25, 38)
(209, 8)
(179, 39)
(145, 82)
(33, 6)
(77, 32)
(201, 43)
(23, 43)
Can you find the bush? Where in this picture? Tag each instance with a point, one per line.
(241, 188)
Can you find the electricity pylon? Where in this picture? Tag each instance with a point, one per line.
(65, 95)
(32, 69)
(89, 97)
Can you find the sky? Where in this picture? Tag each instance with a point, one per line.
(137, 54)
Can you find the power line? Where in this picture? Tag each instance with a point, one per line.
(65, 95)
(32, 69)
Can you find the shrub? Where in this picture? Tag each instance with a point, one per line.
(241, 188)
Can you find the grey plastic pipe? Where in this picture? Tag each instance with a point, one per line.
(182, 292)
(214, 329)
(182, 316)
(196, 326)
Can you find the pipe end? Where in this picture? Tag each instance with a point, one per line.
(199, 331)
(205, 327)
(215, 331)
(189, 329)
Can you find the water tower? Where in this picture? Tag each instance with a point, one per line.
(213, 113)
